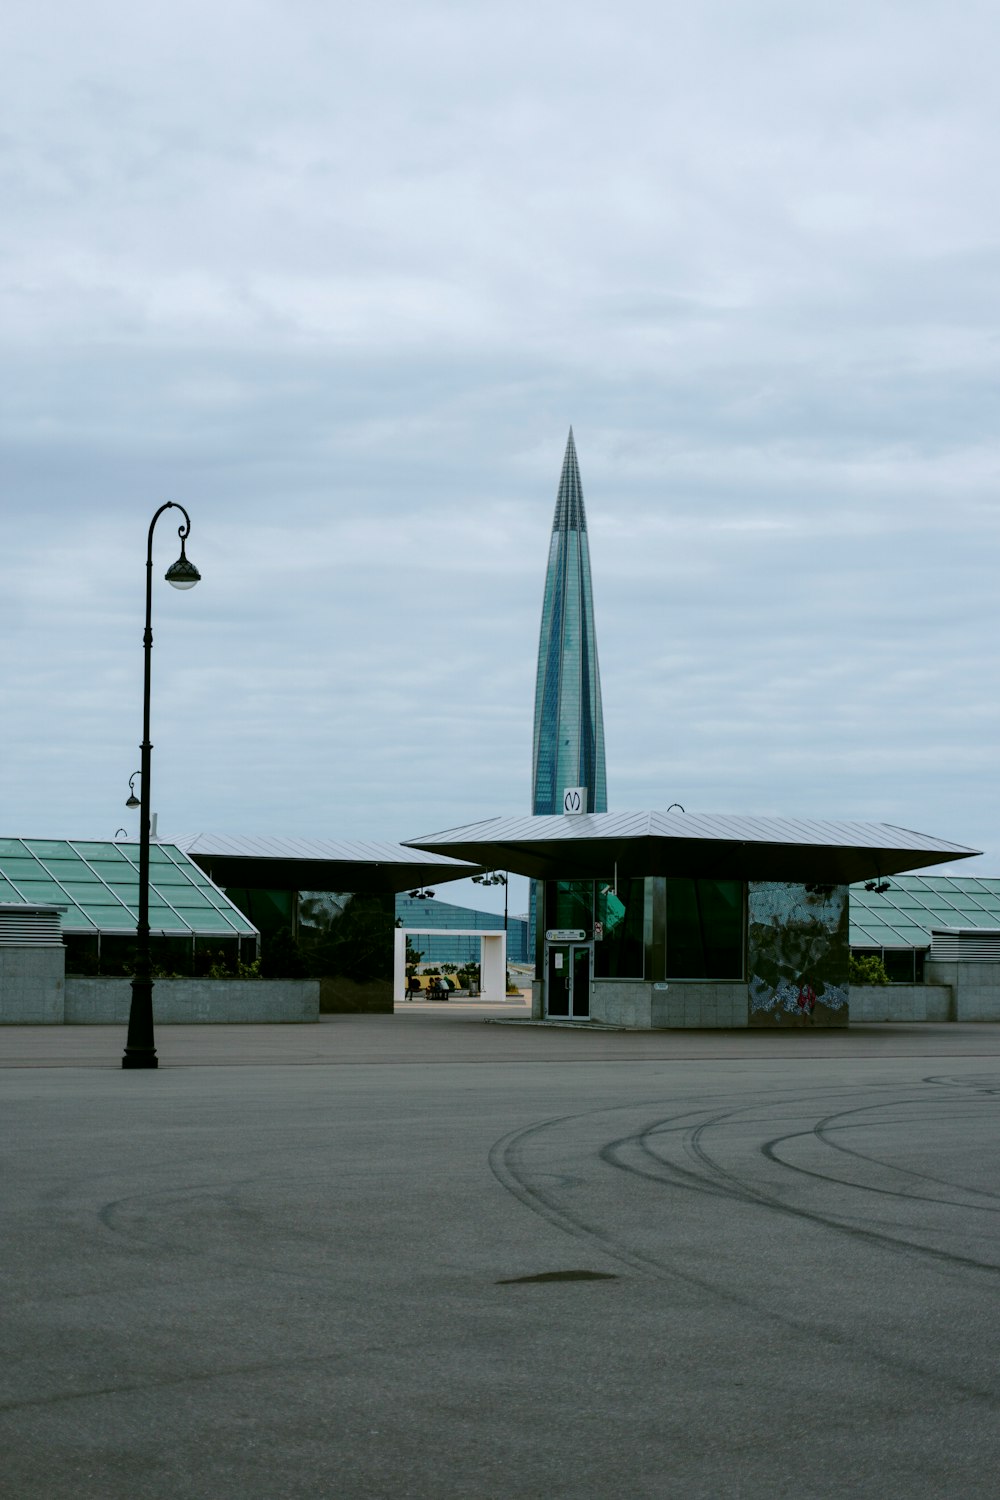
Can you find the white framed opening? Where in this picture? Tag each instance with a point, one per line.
(492, 958)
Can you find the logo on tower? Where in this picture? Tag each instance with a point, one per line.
(575, 799)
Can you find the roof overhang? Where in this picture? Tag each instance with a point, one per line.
(318, 865)
(719, 846)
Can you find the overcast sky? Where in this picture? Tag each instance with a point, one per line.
(339, 278)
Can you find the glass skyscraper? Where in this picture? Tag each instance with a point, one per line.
(568, 745)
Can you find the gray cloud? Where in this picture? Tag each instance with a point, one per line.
(339, 283)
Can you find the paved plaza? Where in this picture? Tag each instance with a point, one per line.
(421, 1256)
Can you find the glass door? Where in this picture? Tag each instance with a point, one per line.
(567, 981)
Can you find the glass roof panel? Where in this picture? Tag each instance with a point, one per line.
(879, 934)
(113, 870)
(177, 855)
(215, 921)
(8, 892)
(24, 868)
(43, 890)
(94, 895)
(73, 920)
(87, 890)
(68, 869)
(91, 851)
(10, 847)
(107, 917)
(56, 847)
(171, 875)
(218, 898)
(168, 921)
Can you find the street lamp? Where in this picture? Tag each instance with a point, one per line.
(495, 878)
(140, 1049)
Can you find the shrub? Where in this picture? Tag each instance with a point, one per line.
(867, 969)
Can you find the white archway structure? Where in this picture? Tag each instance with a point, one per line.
(492, 958)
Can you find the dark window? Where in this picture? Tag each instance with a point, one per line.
(899, 965)
(704, 929)
(569, 905)
(619, 953)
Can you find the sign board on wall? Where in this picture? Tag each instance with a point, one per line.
(565, 935)
(575, 799)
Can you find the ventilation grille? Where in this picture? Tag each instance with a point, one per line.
(29, 927)
(976, 946)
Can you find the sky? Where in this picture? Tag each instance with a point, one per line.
(338, 279)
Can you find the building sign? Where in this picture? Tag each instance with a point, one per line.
(565, 935)
(575, 799)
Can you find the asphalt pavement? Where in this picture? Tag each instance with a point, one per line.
(420, 1256)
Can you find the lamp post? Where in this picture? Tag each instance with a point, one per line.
(140, 1049)
(495, 878)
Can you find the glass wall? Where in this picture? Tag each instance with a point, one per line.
(569, 904)
(903, 965)
(701, 924)
(619, 954)
(705, 925)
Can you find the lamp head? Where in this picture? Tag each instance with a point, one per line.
(182, 574)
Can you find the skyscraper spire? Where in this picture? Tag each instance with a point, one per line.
(568, 747)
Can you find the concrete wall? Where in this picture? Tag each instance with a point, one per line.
(621, 1002)
(31, 985)
(670, 1006)
(976, 987)
(102, 1002)
(701, 1005)
(951, 992)
(901, 1002)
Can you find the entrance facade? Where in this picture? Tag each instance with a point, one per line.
(568, 970)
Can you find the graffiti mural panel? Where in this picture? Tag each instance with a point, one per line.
(797, 951)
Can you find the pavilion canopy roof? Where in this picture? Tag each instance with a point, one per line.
(703, 845)
(298, 864)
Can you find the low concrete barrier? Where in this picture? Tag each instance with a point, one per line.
(105, 1002)
(902, 1002)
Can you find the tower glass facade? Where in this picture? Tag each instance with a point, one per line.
(568, 742)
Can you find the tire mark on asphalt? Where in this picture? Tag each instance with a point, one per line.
(742, 1191)
(506, 1162)
(824, 1131)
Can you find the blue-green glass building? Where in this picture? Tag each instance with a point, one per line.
(568, 742)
